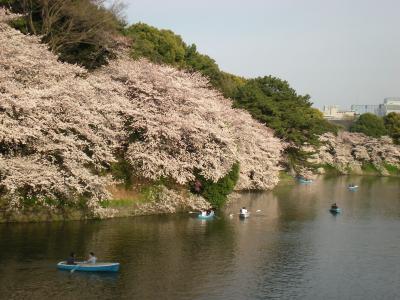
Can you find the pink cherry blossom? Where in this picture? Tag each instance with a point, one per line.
(61, 126)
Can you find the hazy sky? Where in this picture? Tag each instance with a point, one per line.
(340, 52)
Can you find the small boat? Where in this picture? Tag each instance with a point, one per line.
(352, 187)
(82, 266)
(305, 181)
(210, 216)
(244, 215)
(335, 210)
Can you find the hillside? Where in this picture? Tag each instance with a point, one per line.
(268, 99)
(63, 129)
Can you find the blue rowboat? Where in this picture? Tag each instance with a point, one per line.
(335, 210)
(82, 266)
(305, 181)
(210, 216)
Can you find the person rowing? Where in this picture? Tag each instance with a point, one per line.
(71, 259)
(92, 259)
(334, 206)
(210, 212)
(243, 211)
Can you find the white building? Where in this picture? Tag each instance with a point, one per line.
(391, 104)
(332, 112)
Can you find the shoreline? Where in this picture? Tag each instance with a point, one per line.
(132, 209)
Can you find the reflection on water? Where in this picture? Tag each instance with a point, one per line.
(291, 249)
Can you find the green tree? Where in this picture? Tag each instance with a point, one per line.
(370, 125)
(164, 46)
(273, 102)
(160, 46)
(269, 99)
(392, 124)
(78, 31)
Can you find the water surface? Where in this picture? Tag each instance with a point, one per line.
(293, 248)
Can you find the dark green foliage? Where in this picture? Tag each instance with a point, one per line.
(33, 201)
(20, 24)
(370, 125)
(296, 158)
(160, 46)
(225, 82)
(392, 124)
(8, 3)
(216, 192)
(78, 31)
(369, 168)
(273, 102)
(122, 170)
(268, 99)
(393, 170)
(164, 46)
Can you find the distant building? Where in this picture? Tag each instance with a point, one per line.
(332, 112)
(391, 104)
(363, 109)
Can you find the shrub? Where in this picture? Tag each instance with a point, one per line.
(217, 192)
(393, 170)
(370, 125)
(369, 168)
(122, 170)
(392, 124)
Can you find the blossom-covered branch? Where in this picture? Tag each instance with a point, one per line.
(61, 126)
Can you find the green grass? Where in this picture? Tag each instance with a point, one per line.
(147, 194)
(117, 203)
(150, 193)
(393, 170)
(286, 179)
(369, 168)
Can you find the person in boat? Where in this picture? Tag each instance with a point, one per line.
(197, 186)
(334, 206)
(203, 213)
(243, 211)
(92, 259)
(71, 259)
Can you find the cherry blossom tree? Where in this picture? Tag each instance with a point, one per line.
(62, 127)
(348, 151)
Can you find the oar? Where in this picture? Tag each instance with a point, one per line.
(73, 270)
(258, 210)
